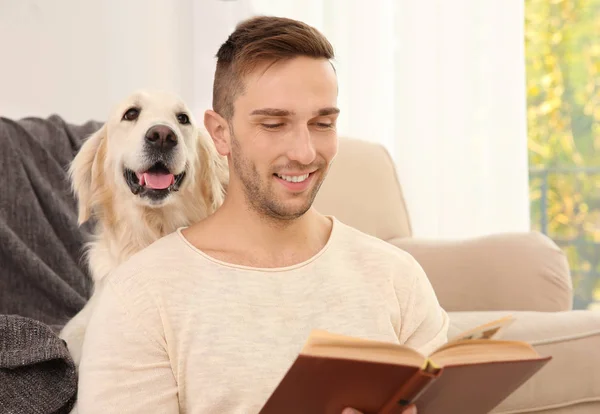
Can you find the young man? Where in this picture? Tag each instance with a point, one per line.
(209, 318)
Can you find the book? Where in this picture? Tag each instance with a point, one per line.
(471, 374)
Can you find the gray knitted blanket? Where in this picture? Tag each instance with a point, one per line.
(42, 276)
(37, 374)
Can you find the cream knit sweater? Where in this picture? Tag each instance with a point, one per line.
(178, 331)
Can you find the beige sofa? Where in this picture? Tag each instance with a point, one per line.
(476, 280)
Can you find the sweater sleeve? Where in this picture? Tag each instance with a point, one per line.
(424, 323)
(125, 366)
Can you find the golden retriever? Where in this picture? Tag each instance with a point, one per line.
(147, 171)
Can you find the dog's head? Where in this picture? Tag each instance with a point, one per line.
(148, 150)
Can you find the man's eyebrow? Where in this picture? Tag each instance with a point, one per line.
(328, 111)
(284, 112)
(272, 112)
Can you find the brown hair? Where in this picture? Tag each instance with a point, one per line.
(257, 40)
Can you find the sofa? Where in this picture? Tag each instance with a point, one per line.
(43, 276)
(477, 280)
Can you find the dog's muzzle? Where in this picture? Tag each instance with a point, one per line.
(155, 183)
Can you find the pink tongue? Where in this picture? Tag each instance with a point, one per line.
(156, 181)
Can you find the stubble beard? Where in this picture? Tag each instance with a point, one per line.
(260, 196)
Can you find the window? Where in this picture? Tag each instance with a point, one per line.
(562, 46)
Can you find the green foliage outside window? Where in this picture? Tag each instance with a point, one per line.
(562, 46)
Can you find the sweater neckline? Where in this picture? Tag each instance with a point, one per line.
(334, 227)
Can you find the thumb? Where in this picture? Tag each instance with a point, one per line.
(410, 410)
(349, 410)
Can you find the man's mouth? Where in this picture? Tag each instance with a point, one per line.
(156, 182)
(296, 183)
(293, 178)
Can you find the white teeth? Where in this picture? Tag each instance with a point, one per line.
(293, 178)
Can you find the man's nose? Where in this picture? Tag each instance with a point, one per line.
(301, 148)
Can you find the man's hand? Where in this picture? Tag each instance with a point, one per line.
(411, 409)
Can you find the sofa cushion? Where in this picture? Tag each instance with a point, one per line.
(363, 191)
(572, 377)
(520, 271)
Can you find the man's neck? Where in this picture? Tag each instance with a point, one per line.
(239, 234)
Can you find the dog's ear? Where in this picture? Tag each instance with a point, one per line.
(85, 170)
(213, 174)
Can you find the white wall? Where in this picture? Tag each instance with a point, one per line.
(77, 58)
(214, 22)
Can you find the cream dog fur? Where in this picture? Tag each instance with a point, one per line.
(147, 171)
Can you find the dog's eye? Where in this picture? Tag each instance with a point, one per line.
(131, 114)
(183, 119)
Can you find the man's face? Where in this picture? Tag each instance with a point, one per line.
(283, 135)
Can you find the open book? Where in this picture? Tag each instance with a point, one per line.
(471, 374)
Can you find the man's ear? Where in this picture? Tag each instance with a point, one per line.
(212, 176)
(218, 129)
(85, 171)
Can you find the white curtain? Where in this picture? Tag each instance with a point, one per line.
(442, 85)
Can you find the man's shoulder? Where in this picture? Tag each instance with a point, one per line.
(366, 244)
(165, 255)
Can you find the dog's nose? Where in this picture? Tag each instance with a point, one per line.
(161, 137)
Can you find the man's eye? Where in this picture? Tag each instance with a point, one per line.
(324, 125)
(272, 126)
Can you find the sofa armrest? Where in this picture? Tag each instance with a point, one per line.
(513, 271)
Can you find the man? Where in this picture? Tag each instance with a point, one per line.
(209, 318)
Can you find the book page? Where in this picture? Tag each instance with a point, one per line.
(489, 330)
(482, 344)
(326, 344)
(475, 351)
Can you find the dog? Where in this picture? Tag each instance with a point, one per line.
(147, 171)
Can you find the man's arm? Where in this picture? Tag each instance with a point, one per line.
(125, 367)
(424, 324)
